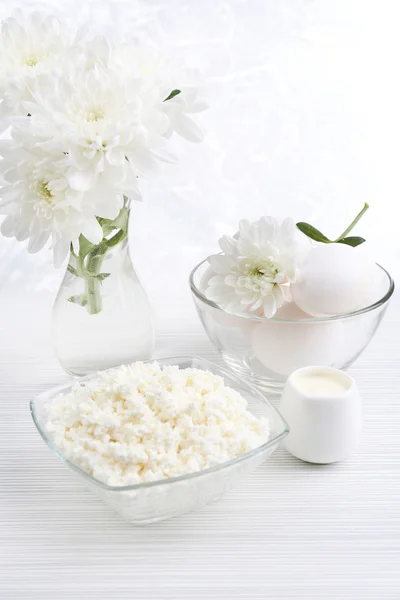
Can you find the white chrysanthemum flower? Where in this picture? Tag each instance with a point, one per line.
(40, 204)
(253, 273)
(180, 110)
(30, 44)
(110, 130)
(88, 120)
(136, 61)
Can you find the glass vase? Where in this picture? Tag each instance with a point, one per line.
(102, 317)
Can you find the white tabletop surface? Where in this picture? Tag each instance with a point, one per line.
(290, 531)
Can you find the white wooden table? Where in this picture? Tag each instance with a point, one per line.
(290, 531)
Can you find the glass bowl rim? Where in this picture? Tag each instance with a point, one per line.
(360, 311)
(162, 482)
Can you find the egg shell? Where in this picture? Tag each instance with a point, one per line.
(378, 286)
(283, 347)
(334, 279)
(290, 310)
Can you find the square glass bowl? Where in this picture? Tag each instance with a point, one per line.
(157, 500)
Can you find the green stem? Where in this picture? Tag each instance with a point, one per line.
(80, 266)
(92, 284)
(93, 268)
(93, 296)
(353, 223)
(72, 270)
(116, 239)
(89, 260)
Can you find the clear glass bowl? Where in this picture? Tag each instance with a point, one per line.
(149, 502)
(265, 351)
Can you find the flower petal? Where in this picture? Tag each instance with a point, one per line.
(81, 180)
(188, 129)
(37, 242)
(8, 227)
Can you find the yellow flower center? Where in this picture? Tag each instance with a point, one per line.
(41, 189)
(31, 61)
(254, 272)
(96, 114)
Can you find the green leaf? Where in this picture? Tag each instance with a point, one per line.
(313, 233)
(172, 95)
(107, 226)
(79, 299)
(72, 270)
(121, 222)
(73, 251)
(352, 241)
(85, 247)
(102, 276)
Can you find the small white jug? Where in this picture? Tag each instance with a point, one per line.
(323, 408)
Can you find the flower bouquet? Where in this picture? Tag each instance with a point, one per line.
(87, 119)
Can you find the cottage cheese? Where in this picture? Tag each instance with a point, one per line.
(145, 422)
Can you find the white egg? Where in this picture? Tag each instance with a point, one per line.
(378, 286)
(334, 279)
(290, 310)
(283, 346)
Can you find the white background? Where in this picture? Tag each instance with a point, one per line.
(304, 121)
